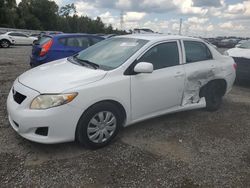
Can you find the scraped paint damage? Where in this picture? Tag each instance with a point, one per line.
(193, 85)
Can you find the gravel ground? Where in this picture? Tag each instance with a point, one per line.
(187, 149)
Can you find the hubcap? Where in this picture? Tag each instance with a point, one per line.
(4, 44)
(101, 127)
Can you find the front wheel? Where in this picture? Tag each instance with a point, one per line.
(99, 125)
(5, 43)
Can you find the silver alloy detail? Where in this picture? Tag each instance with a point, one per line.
(101, 127)
(4, 44)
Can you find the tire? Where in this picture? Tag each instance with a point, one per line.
(213, 97)
(99, 125)
(5, 43)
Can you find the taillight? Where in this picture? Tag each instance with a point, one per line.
(235, 66)
(46, 47)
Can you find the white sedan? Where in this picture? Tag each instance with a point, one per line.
(21, 38)
(116, 83)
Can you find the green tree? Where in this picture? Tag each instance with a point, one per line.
(7, 13)
(67, 10)
(45, 15)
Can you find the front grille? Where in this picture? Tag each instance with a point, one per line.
(18, 97)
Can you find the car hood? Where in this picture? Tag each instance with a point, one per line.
(60, 75)
(239, 52)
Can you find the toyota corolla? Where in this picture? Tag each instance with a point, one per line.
(116, 83)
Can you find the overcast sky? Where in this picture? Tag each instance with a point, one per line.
(200, 17)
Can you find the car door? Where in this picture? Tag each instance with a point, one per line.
(16, 37)
(24, 39)
(199, 67)
(161, 89)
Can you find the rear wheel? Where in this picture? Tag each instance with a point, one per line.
(99, 125)
(5, 43)
(213, 96)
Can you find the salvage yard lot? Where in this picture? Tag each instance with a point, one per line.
(187, 149)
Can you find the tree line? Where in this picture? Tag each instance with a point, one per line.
(45, 15)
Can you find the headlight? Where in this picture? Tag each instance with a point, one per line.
(226, 53)
(49, 100)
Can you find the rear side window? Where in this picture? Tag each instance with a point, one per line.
(82, 42)
(196, 51)
(163, 55)
(42, 40)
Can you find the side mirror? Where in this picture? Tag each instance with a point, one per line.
(144, 67)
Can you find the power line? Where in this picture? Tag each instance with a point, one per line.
(180, 28)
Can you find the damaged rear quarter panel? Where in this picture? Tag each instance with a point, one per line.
(200, 73)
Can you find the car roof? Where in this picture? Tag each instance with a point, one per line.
(72, 34)
(157, 37)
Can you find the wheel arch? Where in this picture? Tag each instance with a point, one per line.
(220, 81)
(116, 103)
(5, 39)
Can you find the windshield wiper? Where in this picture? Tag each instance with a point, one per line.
(94, 65)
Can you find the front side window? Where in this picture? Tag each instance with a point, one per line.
(73, 41)
(13, 34)
(162, 55)
(82, 42)
(196, 51)
(111, 53)
(17, 34)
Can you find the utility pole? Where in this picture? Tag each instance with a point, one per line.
(121, 20)
(180, 26)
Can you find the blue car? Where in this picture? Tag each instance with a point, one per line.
(52, 47)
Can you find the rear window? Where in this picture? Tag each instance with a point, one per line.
(42, 40)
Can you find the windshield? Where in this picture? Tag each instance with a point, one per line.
(111, 53)
(245, 45)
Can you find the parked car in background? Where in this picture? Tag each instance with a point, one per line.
(142, 31)
(120, 81)
(210, 43)
(241, 42)
(52, 47)
(21, 38)
(213, 41)
(35, 35)
(241, 56)
(106, 36)
(6, 41)
(227, 43)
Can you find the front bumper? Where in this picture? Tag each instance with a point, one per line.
(61, 121)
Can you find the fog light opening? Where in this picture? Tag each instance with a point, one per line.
(42, 131)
